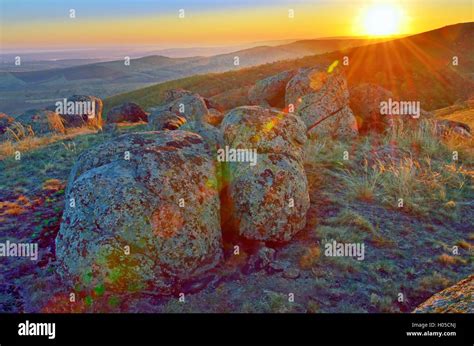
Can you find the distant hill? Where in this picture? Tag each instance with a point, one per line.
(417, 67)
(19, 90)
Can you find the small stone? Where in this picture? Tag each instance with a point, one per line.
(277, 267)
(195, 286)
(260, 260)
(265, 256)
(291, 273)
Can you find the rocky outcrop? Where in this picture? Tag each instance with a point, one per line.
(127, 112)
(321, 99)
(142, 212)
(190, 106)
(86, 111)
(210, 134)
(446, 127)
(270, 92)
(160, 120)
(183, 103)
(365, 101)
(455, 299)
(41, 122)
(267, 199)
(266, 130)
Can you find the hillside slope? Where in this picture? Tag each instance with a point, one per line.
(417, 67)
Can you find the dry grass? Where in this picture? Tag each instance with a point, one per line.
(353, 219)
(310, 257)
(424, 179)
(23, 140)
(362, 185)
(17, 207)
(464, 245)
(448, 260)
(53, 185)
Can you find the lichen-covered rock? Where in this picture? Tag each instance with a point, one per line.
(41, 122)
(365, 102)
(271, 91)
(184, 103)
(5, 121)
(160, 120)
(341, 124)
(80, 116)
(321, 99)
(267, 130)
(127, 112)
(270, 199)
(267, 199)
(455, 299)
(212, 135)
(142, 212)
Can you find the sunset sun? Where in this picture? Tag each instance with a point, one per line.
(382, 20)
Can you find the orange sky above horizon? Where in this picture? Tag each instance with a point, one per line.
(214, 26)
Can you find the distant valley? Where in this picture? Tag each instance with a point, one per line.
(20, 91)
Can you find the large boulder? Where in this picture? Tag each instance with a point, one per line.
(142, 212)
(80, 110)
(270, 92)
(127, 112)
(267, 130)
(165, 120)
(365, 102)
(41, 122)
(266, 199)
(321, 99)
(458, 298)
(212, 135)
(270, 199)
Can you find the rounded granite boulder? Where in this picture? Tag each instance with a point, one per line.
(127, 112)
(321, 99)
(164, 120)
(266, 130)
(270, 199)
(270, 92)
(41, 122)
(264, 198)
(458, 298)
(142, 212)
(85, 110)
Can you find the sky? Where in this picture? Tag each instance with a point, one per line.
(46, 24)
